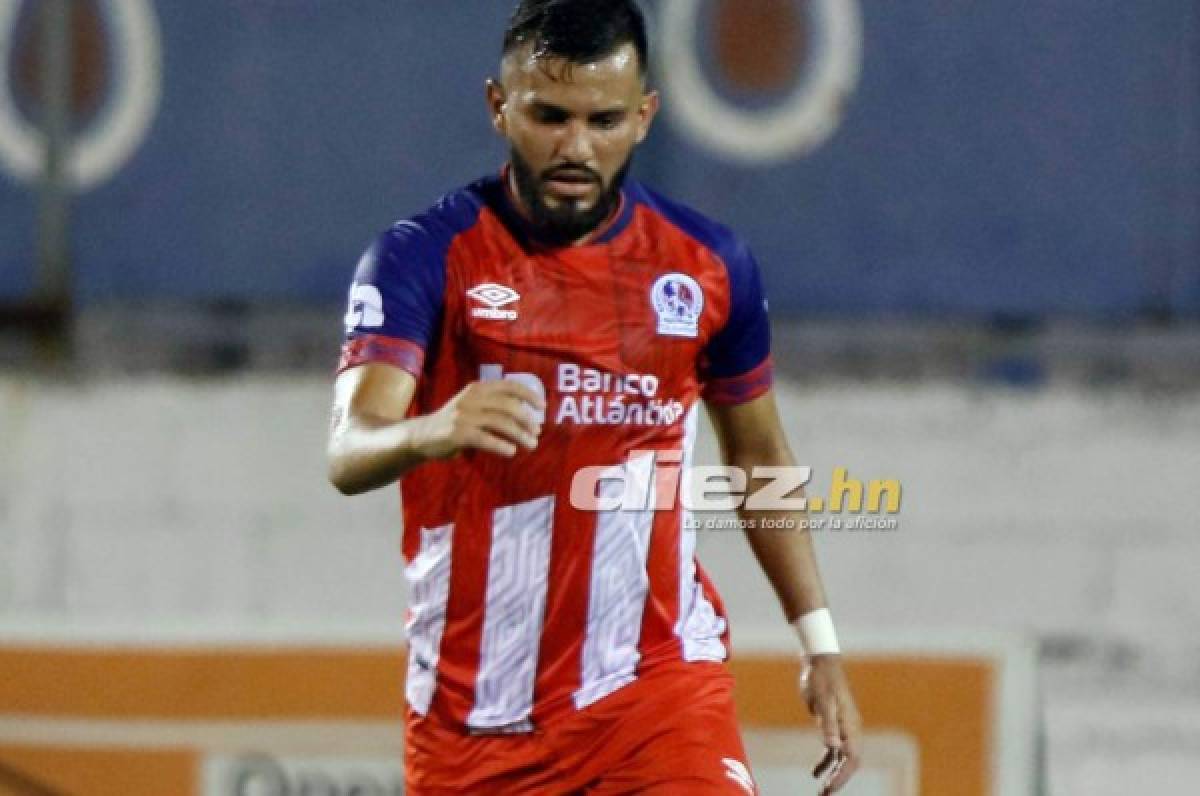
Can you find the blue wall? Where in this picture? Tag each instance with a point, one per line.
(996, 158)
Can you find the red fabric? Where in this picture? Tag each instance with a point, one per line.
(669, 734)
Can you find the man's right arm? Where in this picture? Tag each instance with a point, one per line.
(372, 441)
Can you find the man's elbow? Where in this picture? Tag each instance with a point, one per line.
(343, 477)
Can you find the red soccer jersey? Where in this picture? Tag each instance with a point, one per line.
(523, 606)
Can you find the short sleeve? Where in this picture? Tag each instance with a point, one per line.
(395, 303)
(736, 366)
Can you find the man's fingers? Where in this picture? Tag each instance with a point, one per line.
(826, 711)
(515, 416)
(508, 427)
(841, 773)
(827, 720)
(519, 391)
(829, 786)
(830, 702)
(831, 755)
(483, 440)
(517, 408)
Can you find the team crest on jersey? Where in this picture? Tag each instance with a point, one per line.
(496, 297)
(678, 301)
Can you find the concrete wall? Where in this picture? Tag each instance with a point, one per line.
(1071, 515)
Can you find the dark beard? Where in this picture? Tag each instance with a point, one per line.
(565, 224)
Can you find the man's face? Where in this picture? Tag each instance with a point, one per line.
(572, 129)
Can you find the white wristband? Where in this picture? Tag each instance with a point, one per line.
(816, 632)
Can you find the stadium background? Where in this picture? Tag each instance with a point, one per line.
(984, 269)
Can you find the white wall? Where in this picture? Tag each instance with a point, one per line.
(193, 500)
(1065, 513)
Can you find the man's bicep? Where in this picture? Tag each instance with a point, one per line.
(375, 391)
(749, 429)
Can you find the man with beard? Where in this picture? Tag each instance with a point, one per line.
(528, 358)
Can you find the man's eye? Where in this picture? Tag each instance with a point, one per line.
(606, 121)
(546, 116)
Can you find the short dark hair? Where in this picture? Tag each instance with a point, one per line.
(581, 31)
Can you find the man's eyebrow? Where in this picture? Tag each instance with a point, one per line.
(542, 105)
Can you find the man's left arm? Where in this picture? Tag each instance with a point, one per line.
(751, 435)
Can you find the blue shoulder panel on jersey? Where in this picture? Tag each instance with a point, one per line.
(744, 343)
(401, 279)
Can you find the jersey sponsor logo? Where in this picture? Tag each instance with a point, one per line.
(737, 771)
(496, 297)
(678, 301)
(366, 308)
(590, 397)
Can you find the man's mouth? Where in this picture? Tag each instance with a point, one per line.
(571, 184)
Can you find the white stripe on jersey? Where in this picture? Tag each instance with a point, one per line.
(514, 609)
(699, 627)
(619, 584)
(428, 576)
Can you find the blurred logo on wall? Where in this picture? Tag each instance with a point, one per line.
(759, 81)
(263, 775)
(116, 84)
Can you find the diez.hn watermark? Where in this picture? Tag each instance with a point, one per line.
(766, 497)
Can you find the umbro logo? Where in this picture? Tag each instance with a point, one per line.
(495, 297)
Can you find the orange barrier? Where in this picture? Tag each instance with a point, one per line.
(945, 703)
(100, 772)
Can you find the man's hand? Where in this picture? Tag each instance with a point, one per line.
(494, 416)
(827, 693)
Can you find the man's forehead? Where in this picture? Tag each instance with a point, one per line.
(619, 72)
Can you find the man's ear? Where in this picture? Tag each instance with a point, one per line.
(647, 110)
(496, 102)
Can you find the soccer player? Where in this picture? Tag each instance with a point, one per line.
(552, 320)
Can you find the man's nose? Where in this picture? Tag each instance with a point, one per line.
(577, 144)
